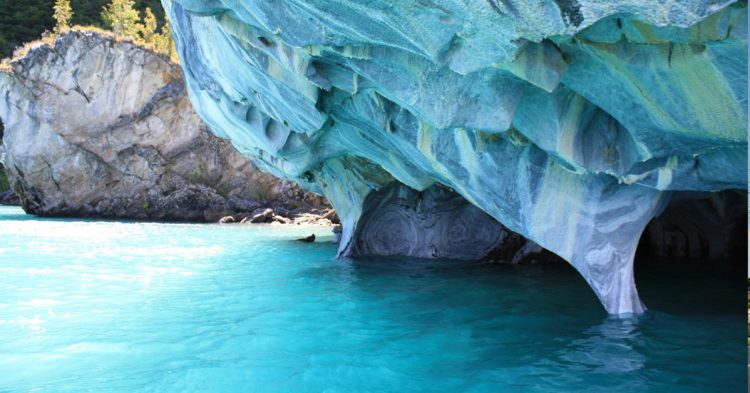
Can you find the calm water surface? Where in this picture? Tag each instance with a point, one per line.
(143, 307)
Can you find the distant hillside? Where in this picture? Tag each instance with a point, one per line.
(23, 21)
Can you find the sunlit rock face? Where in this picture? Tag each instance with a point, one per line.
(570, 122)
(99, 127)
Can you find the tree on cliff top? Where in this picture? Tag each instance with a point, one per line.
(122, 18)
(63, 14)
(167, 41)
(149, 27)
(161, 41)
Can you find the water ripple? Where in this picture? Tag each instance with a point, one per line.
(114, 306)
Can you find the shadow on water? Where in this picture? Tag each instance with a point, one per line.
(692, 287)
(543, 320)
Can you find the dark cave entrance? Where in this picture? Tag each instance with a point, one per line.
(693, 255)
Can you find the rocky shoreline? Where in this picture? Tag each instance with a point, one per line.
(279, 215)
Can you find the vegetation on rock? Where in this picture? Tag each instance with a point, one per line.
(122, 18)
(63, 15)
(38, 17)
(109, 150)
(3, 179)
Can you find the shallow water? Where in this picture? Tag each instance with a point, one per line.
(113, 306)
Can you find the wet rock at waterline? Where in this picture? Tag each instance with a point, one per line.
(99, 127)
(570, 123)
(307, 239)
(8, 197)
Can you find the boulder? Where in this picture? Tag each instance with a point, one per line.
(263, 216)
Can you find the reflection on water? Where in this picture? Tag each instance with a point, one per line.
(172, 307)
(608, 347)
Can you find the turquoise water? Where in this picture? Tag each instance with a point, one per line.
(143, 307)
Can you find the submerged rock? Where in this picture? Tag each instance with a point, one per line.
(307, 239)
(571, 123)
(99, 127)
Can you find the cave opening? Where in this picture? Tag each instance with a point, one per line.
(693, 255)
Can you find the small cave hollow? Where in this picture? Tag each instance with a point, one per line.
(695, 253)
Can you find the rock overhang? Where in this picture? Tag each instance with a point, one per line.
(569, 122)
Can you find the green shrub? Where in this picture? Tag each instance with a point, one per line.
(26, 20)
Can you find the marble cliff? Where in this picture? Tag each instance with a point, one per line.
(100, 127)
(570, 122)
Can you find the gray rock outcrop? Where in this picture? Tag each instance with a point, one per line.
(97, 126)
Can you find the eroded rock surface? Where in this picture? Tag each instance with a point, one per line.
(97, 126)
(434, 223)
(8, 197)
(570, 122)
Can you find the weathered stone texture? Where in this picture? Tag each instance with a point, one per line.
(99, 127)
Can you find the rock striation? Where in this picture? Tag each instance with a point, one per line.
(572, 123)
(97, 126)
(434, 223)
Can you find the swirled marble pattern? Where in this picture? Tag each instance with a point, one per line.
(435, 223)
(569, 122)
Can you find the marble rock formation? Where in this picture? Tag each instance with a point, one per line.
(99, 127)
(571, 123)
